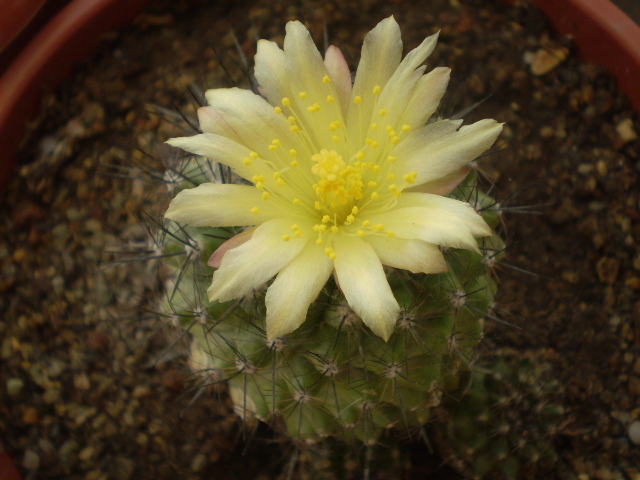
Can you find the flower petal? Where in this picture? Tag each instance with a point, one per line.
(413, 255)
(364, 284)
(340, 74)
(435, 219)
(399, 89)
(294, 289)
(270, 71)
(218, 205)
(381, 55)
(233, 242)
(426, 97)
(253, 120)
(223, 150)
(253, 263)
(443, 186)
(436, 156)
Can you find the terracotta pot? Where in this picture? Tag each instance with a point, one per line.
(603, 33)
(47, 59)
(16, 16)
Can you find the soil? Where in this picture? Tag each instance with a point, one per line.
(93, 386)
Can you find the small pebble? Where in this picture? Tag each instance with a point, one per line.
(625, 130)
(14, 386)
(634, 432)
(31, 460)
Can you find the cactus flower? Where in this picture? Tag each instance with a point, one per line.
(344, 178)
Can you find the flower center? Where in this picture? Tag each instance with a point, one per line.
(339, 184)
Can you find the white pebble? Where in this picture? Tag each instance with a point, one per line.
(634, 432)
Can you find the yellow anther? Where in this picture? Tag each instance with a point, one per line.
(313, 108)
(293, 153)
(326, 79)
(247, 161)
(406, 128)
(330, 99)
(318, 206)
(302, 95)
(319, 241)
(354, 210)
(298, 233)
(296, 201)
(366, 223)
(286, 102)
(281, 183)
(390, 233)
(260, 185)
(294, 163)
(376, 168)
(377, 89)
(257, 178)
(392, 159)
(292, 120)
(389, 129)
(350, 219)
(374, 144)
(278, 110)
(253, 155)
(286, 238)
(372, 184)
(411, 177)
(374, 126)
(391, 176)
(294, 128)
(378, 227)
(360, 155)
(326, 219)
(357, 100)
(335, 138)
(276, 175)
(395, 140)
(295, 227)
(360, 233)
(333, 126)
(273, 148)
(276, 142)
(383, 112)
(265, 195)
(375, 196)
(330, 253)
(255, 210)
(335, 229)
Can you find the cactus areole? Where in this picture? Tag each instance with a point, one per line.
(351, 179)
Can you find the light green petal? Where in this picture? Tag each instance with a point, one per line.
(381, 55)
(223, 150)
(442, 186)
(364, 284)
(434, 157)
(294, 289)
(270, 71)
(451, 224)
(413, 255)
(250, 265)
(218, 205)
(426, 97)
(399, 90)
(254, 121)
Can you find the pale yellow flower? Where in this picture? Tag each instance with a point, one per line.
(345, 178)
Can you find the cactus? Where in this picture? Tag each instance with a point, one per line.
(332, 376)
(344, 369)
(503, 424)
